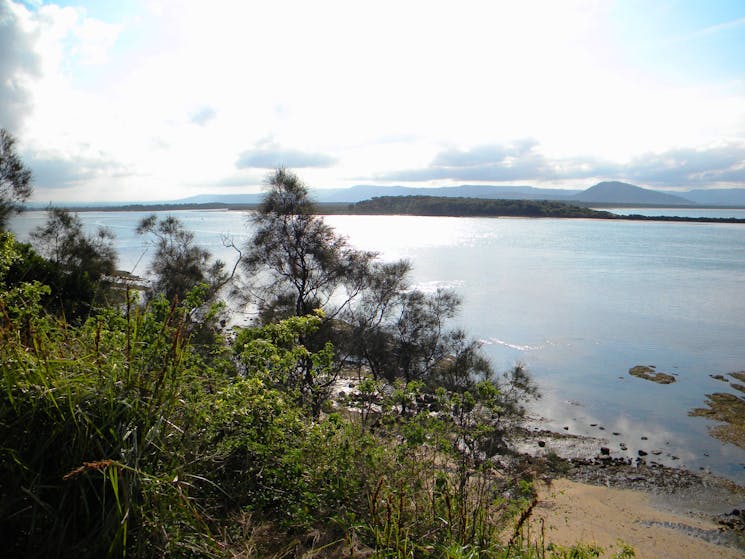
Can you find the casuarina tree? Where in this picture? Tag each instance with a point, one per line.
(76, 265)
(15, 179)
(295, 262)
(179, 263)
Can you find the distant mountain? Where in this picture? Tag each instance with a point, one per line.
(717, 196)
(615, 192)
(609, 192)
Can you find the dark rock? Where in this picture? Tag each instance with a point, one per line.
(734, 521)
(644, 438)
(648, 372)
(737, 386)
(643, 453)
(604, 450)
(542, 443)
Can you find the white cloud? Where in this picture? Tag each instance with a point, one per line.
(372, 88)
(19, 65)
(270, 155)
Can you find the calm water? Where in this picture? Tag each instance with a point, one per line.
(577, 301)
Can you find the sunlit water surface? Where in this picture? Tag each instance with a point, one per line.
(578, 302)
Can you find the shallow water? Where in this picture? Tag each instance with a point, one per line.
(579, 302)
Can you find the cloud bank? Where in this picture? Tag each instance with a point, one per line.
(522, 161)
(18, 64)
(269, 155)
(52, 172)
(184, 99)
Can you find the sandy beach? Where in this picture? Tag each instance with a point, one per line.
(573, 512)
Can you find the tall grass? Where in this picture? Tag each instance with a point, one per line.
(94, 431)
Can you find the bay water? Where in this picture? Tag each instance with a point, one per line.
(578, 302)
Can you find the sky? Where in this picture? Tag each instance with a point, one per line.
(127, 100)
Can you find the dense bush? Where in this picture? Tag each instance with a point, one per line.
(120, 437)
(138, 430)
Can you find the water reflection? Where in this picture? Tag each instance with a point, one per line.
(578, 301)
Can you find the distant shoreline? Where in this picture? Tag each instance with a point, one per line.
(448, 210)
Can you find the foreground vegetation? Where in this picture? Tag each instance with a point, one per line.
(133, 424)
(126, 436)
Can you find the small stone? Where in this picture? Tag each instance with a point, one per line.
(642, 453)
(616, 433)
(604, 450)
(593, 424)
(566, 428)
(601, 428)
(541, 443)
(645, 438)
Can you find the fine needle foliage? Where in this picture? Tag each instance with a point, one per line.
(15, 178)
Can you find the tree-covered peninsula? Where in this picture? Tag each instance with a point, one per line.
(472, 207)
(481, 207)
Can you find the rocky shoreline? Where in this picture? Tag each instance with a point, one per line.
(588, 460)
